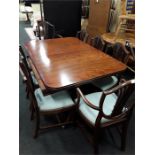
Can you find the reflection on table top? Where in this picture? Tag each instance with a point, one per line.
(65, 62)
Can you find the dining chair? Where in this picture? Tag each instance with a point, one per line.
(21, 57)
(120, 53)
(108, 82)
(46, 30)
(131, 62)
(83, 35)
(24, 59)
(49, 105)
(100, 110)
(98, 43)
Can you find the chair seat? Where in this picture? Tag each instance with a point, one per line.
(106, 83)
(53, 102)
(91, 114)
(34, 79)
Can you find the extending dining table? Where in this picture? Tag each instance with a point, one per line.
(62, 63)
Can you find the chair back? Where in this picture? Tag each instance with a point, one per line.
(120, 53)
(29, 83)
(49, 30)
(26, 69)
(23, 57)
(83, 35)
(98, 43)
(21, 53)
(122, 108)
(27, 74)
(46, 29)
(130, 49)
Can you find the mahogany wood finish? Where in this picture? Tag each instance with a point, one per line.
(120, 115)
(30, 87)
(46, 30)
(23, 59)
(83, 35)
(120, 53)
(66, 62)
(35, 110)
(40, 83)
(98, 43)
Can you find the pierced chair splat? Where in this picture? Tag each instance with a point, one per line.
(107, 108)
(98, 43)
(83, 35)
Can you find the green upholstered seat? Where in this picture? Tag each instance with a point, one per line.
(106, 83)
(91, 114)
(53, 102)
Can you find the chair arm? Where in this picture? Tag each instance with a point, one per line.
(80, 94)
(58, 33)
(110, 91)
(59, 36)
(77, 34)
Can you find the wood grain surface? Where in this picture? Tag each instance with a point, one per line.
(68, 61)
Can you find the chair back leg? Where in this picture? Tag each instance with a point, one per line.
(37, 125)
(32, 113)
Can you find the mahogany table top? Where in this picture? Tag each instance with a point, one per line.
(65, 62)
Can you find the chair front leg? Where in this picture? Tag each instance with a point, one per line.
(95, 141)
(124, 135)
(32, 113)
(27, 94)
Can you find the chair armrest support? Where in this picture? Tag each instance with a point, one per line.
(80, 94)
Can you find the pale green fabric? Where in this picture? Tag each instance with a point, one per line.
(34, 79)
(94, 98)
(106, 83)
(52, 102)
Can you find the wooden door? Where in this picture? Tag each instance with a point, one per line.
(98, 17)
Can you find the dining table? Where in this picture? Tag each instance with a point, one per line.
(63, 63)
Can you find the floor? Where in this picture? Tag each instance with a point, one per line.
(67, 140)
(36, 15)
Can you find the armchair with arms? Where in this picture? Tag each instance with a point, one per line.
(107, 108)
